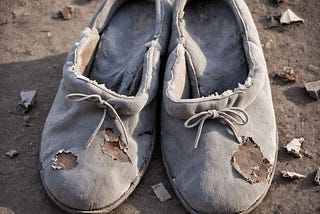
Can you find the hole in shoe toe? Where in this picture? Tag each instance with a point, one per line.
(114, 147)
(64, 160)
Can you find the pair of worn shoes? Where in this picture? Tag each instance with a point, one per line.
(218, 130)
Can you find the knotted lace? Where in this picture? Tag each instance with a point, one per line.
(77, 97)
(231, 116)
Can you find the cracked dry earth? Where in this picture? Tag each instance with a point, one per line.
(33, 49)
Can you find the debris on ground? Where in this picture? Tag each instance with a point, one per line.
(273, 22)
(268, 44)
(294, 147)
(64, 160)
(6, 210)
(48, 32)
(161, 192)
(67, 12)
(314, 68)
(12, 153)
(277, 1)
(288, 17)
(114, 147)
(292, 175)
(26, 120)
(287, 74)
(317, 177)
(27, 99)
(313, 89)
(249, 162)
(307, 153)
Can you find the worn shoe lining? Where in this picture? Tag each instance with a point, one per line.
(119, 58)
(214, 46)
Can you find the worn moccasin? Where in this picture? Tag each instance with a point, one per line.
(218, 129)
(99, 135)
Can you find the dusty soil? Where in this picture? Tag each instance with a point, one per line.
(34, 46)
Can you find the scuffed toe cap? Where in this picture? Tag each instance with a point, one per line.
(211, 193)
(205, 179)
(94, 184)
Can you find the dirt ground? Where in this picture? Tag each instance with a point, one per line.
(33, 49)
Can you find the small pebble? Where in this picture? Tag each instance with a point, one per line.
(317, 177)
(161, 192)
(67, 12)
(287, 74)
(313, 89)
(6, 210)
(12, 153)
(292, 175)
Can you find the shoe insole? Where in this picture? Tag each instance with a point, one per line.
(119, 58)
(215, 45)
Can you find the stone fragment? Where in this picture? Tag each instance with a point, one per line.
(317, 177)
(287, 74)
(161, 192)
(6, 210)
(294, 147)
(67, 12)
(27, 99)
(12, 153)
(288, 17)
(313, 89)
(292, 175)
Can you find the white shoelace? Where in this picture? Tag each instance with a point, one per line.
(78, 97)
(230, 116)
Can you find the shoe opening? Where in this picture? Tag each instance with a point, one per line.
(214, 54)
(119, 57)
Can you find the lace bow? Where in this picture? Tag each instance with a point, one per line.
(231, 116)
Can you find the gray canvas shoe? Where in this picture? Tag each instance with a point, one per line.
(218, 129)
(99, 135)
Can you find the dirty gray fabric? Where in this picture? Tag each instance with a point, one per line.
(199, 79)
(98, 184)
